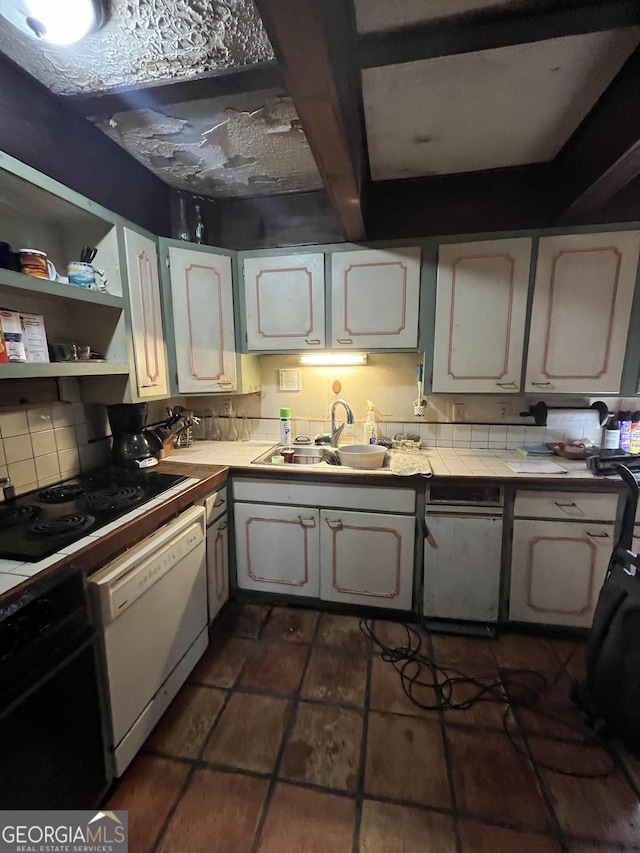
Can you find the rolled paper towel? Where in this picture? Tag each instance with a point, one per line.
(575, 423)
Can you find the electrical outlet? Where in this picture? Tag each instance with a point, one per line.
(458, 412)
(227, 407)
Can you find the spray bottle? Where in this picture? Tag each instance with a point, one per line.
(370, 432)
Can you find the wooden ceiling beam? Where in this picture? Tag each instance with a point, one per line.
(308, 38)
(153, 96)
(472, 202)
(602, 156)
(491, 28)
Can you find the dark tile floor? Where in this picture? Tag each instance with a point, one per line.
(294, 736)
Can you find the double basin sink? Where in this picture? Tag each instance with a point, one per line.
(361, 456)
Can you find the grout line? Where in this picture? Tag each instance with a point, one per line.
(257, 838)
(363, 757)
(196, 764)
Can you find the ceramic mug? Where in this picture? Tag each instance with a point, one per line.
(34, 262)
(81, 274)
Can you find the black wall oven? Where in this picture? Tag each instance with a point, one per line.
(52, 733)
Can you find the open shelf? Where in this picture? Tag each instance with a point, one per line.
(20, 281)
(62, 368)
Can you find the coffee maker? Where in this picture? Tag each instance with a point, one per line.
(133, 446)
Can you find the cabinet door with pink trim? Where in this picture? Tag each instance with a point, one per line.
(284, 302)
(481, 307)
(557, 570)
(201, 291)
(375, 297)
(146, 315)
(277, 548)
(581, 306)
(367, 558)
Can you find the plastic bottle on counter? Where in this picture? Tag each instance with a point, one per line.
(285, 427)
(634, 444)
(624, 419)
(370, 431)
(612, 434)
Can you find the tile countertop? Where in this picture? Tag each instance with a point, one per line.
(441, 462)
(92, 552)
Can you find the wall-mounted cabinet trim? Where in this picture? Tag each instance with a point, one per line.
(146, 315)
(199, 298)
(481, 305)
(284, 302)
(582, 300)
(375, 298)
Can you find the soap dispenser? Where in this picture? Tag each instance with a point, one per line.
(370, 431)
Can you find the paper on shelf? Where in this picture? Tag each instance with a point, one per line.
(536, 466)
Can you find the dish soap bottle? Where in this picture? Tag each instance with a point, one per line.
(285, 427)
(370, 431)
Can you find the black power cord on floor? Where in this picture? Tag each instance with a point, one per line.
(513, 688)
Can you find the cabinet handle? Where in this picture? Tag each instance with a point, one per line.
(226, 384)
(507, 384)
(565, 506)
(598, 535)
(543, 384)
(307, 522)
(221, 502)
(223, 527)
(334, 524)
(312, 341)
(344, 340)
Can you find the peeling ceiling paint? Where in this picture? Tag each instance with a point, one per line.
(212, 148)
(146, 41)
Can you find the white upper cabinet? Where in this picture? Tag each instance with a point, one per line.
(581, 306)
(203, 323)
(284, 301)
(375, 299)
(146, 315)
(481, 306)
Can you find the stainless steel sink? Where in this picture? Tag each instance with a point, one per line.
(303, 455)
(306, 455)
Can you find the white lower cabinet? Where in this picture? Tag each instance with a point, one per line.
(557, 569)
(356, 557)
(462, 560)
(277, 548)
(217, 551)
(366, 558)
(217, 565)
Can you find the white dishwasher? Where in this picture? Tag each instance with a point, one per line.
(151, 607)
(462, 553)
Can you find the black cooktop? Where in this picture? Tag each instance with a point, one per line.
(39, 523)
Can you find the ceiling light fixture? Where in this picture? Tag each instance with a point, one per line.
(59, 22)
(334, 359)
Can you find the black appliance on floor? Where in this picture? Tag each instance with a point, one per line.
(52, 736)
(608, 698)
(40, 523)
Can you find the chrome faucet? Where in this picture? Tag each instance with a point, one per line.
(336, 430)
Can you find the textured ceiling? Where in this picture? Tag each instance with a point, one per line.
(242, 145)
(146, 41)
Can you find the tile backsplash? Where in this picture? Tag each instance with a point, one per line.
(44, 445)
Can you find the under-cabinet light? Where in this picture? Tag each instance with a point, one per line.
(333, 359)
(59, 22)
